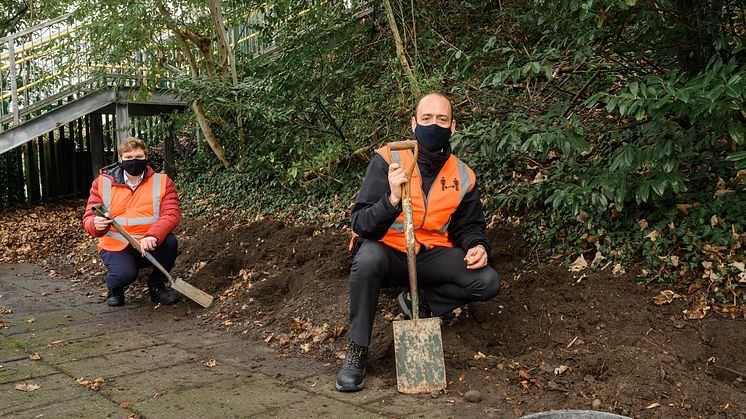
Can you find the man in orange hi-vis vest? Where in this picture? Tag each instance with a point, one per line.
(145, 203)
(451, 246)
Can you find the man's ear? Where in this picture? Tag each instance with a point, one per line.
(414, 123)
(453, 126)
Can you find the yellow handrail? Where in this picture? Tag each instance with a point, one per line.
(37, 55)
(65, 70)
(42, 42)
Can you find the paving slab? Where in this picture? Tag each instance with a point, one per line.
(93, 346)
(24, 369)
(152, 384)
(324, 384)
(129, 362)
(51, 337)
(31, 322)
(10, 350)
(241, 397)
(52, 388)
(318, 407)
(83, 406)
(23, 301)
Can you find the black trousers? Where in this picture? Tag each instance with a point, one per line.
(126, 263)
(442, 278)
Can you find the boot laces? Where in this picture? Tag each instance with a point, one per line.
(355, 354)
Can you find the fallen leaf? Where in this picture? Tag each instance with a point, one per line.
(209, 363)
(30, 320)
(698, 312)
(665, 297)
(685, 207)
(94, 384)
(561, 369)
(579, 264)
(675, 260)
(34, 356)
(56, 342)
(738, 265)
(480, 355)
(618, 269)
(653, 405)
(125, 405)
(27, 387)
(598, 259)
(653, 236)
(643, 223)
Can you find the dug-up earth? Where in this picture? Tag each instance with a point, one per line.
(552, 339)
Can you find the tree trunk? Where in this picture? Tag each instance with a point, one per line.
(400, 51)
(204, 124)
(226, 55)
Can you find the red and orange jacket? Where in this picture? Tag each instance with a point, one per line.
(152, 209)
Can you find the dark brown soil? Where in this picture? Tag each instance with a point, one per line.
(552, 339)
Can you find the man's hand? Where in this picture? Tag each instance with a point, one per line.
(148, 244)
(102, 223)
(476, 257)
(397, 177)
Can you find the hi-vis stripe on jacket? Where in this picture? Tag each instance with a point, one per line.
(432, 216)
(135, 210)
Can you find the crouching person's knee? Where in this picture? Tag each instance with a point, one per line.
(490, 284)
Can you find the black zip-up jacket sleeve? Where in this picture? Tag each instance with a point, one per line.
(372, 213)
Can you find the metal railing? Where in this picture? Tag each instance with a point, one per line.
(47, 65)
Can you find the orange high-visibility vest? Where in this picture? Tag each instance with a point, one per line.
(430, 217)
(135, 210)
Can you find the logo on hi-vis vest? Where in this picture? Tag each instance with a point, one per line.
(443, 185)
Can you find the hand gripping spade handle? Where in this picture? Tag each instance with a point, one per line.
(197, 295)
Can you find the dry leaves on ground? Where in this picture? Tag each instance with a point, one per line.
(94, 385)
(27, 387)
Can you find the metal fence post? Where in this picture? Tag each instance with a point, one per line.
(13, 82)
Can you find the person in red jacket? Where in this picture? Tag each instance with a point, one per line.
(145, 203)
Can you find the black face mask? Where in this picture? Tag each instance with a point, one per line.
(432, 137)
(134, 167)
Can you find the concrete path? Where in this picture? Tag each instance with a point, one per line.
(156, 363)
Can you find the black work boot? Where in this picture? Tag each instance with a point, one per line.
(350, 377)
(405, 303)
(160, 294)
(115, 297)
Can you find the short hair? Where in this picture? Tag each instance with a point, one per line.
(417, 108)
(132, 143)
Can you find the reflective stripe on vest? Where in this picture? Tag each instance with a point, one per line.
(119, 237)
(134, 225)
(136, 221)
(431, 212)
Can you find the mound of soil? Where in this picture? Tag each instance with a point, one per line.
(552, 339)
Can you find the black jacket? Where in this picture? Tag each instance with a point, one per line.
(372, 214)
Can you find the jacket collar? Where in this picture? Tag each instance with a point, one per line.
(116, 172)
